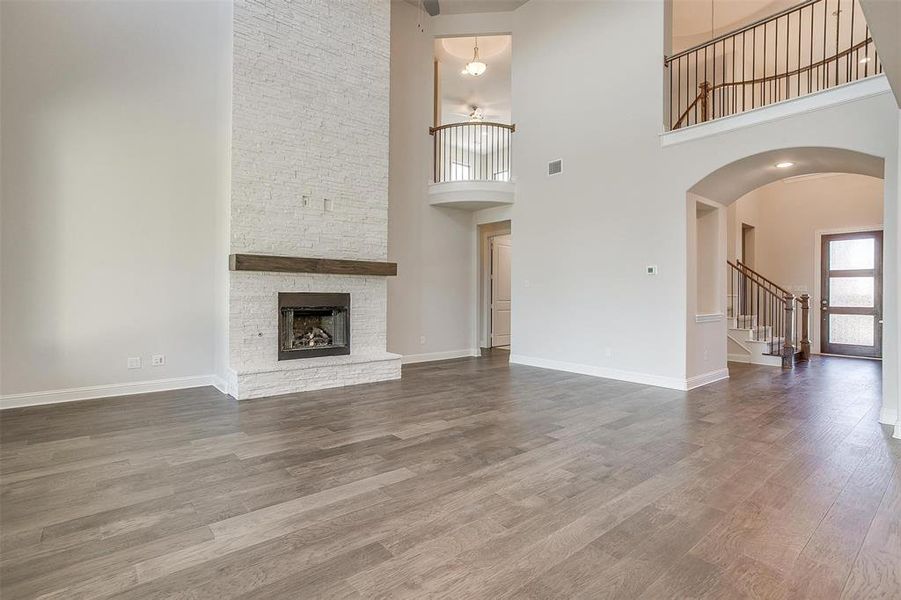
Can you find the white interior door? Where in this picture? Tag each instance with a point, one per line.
(500, 290)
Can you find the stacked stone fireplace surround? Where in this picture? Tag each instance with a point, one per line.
(309, 179)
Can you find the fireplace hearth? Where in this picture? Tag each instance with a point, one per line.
(313, 324)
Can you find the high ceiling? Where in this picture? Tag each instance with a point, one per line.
(457, 7)
(696, 21)
(454, 7)
(489, 91)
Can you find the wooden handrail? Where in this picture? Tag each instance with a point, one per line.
(668, 59)
(794, 52)
(707, 88)
(798, 71)
(780, 314)
(432, 130)
(472, 151)
(745, 267)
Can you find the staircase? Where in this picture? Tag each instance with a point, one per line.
(767, 325)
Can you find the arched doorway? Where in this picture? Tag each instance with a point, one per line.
(713, 233)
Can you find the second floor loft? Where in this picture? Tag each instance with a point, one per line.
(768, 55)
(803, 49)
(472, 151)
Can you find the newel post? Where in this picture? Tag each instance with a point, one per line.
(788, 350)
(805, 326)
(705, 93)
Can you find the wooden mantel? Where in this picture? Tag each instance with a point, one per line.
(296, 264)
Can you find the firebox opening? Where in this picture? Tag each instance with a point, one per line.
(313, 325)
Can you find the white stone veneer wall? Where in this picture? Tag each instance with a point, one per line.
(309, 178)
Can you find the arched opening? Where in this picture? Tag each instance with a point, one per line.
(761, 231)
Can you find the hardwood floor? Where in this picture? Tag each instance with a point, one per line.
(465, 479)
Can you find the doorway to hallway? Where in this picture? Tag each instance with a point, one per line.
(495, 285)
(500, 290)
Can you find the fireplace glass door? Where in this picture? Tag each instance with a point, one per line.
(313, 325)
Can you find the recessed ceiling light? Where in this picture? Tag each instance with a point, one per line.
(864, 60)
(784, 165)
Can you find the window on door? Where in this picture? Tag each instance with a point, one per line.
(851, 294)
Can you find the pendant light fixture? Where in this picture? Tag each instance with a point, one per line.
(475, 67)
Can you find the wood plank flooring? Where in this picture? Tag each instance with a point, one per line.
(465, 479)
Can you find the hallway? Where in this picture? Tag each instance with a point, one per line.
(468, 478)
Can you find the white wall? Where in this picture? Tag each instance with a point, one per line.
(114, 166)
(621, 199)
(705, 318)
(433, 295)
(584, 237)
(789, 217)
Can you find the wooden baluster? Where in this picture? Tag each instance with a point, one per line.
(788, 350)
(705, 93)
(805, 327)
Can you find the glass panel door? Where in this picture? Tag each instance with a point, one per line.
(851, 300)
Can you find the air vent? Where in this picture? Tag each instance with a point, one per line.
(554, 167)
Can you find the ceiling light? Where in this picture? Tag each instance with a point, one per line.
(784, 165)
(864, 60)
(475, 67)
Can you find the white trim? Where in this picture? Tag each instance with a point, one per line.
(472, 195)
(739, 358)
(709, 318)
(219, 383)
(673, 383)
(706, 378)
(106, 391)
(409, 359)
(823, 99)
(889, 416)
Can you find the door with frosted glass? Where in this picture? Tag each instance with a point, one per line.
(851, 300)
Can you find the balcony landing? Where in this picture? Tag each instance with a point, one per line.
(471, 195)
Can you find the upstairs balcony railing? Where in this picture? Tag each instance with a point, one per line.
(809, 47)
(472, 151)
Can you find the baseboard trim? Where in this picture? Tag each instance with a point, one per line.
(672, 383)
(739, 358)
(706, 378)
(105, 391)
(888, 415)
(409, 359)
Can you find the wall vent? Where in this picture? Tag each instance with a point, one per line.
(554, 167)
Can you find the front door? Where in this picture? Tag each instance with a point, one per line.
(500, 290)
(851, 300)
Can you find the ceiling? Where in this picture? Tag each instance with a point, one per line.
(692, 19)
(884, 19)
(490, 91)
(730, 182)
(457, 7)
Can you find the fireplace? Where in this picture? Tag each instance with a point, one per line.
(312, 324)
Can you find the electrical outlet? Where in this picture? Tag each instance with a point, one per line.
(422, 340)
(158, 360)
(304, 200)
(608, 352)
(651, 269)
(327, 205)
(134, 362)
